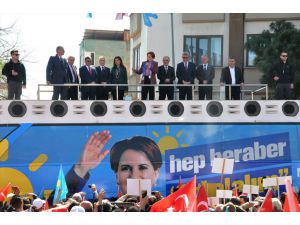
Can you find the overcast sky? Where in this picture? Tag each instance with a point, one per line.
(41, 33)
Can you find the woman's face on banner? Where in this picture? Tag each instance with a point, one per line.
(135, 165)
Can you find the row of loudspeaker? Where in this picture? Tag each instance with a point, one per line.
(138, 108)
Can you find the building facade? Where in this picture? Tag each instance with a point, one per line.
(106, 43)
(219, 35)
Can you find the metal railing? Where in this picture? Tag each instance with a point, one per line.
(246, 89)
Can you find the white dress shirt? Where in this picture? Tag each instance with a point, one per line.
(232, 73)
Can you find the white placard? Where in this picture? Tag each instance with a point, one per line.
(212, 201)
(224, 193)
(135, 186)
(272, 181)
(251, 189)
(217, 166)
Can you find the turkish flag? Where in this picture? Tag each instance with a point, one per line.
(291, 203)
(235, 192)
(63, 208)
(182, 200)
(46, 207)
(267, 204)
(202, 200)
(4, 192)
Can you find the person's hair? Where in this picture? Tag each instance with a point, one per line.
(235, 201)
(59, 48)
(246, 199)
(87, 205)
(231, 58)
(152, 54)
(185, 54)
(71, 57)
(283, 51)
(16, 202)
(133, 209)
(121, 62)
(100, 57)
(282, 197)
(13, 51)
(137, 143)
(87, 58)
(166, 57)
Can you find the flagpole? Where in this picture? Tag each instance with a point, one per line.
(173, 50)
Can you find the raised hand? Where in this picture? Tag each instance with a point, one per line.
(92, 153)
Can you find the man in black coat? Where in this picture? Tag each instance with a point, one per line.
(186, 73)
(73, 77)
(57, 73)
(15, 72)
(88, 76)
(166, 75)
(232, 75)
(205, 74)
(283, 74)
(103, 77)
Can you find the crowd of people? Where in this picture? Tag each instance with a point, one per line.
(78, 202)
(61, 71)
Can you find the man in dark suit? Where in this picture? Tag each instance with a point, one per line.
(166, 75)
(73, 76)
(57, 73)
(186, 72)
(232, 75)
(88, 76)
(205, 75)
(103, 77)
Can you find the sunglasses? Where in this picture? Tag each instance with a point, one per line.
(284, 56)
(16, 54)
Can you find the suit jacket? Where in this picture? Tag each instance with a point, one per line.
(191, 72)
(154, 67)
(57, 70)
(208, 74)
(86, 77)
(102, 76)
(226, 77)
(162, 75)
(122, 79)
(71, 77)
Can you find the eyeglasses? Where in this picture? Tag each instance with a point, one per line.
(88, 61)
(16, 54)
(284, 56)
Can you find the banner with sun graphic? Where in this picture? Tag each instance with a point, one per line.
(106, 155)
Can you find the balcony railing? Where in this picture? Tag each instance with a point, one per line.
(248, 91)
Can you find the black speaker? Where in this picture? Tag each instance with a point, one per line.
(137, 109)
(17, 109)
(59, 108)
(176, 109)
(214, 109)
(290, 108)
(98, 109)
(252, 108)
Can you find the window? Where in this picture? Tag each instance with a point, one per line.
(250, 56)
(197, 46)
(136, 57)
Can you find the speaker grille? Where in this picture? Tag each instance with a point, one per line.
(59, 108)
(176, 109)
(214, 109)
(137, 109)
(98, 109)
(17, 109)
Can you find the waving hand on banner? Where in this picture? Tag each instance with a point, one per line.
(92, 153)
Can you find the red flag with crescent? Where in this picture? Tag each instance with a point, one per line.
(291, 203)
(182, 200)
(4, 192)
(202, 200)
